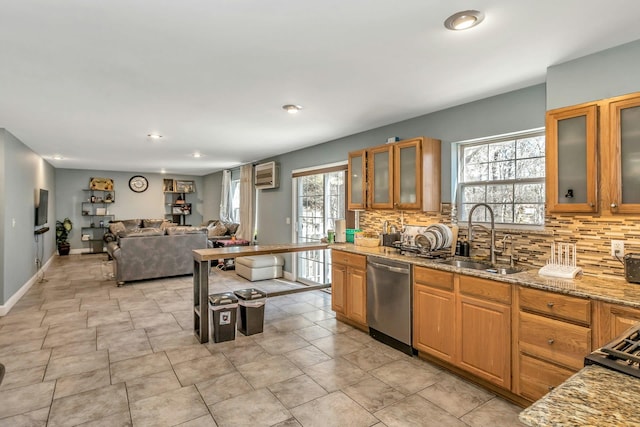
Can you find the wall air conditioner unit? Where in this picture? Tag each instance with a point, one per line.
(267, 175)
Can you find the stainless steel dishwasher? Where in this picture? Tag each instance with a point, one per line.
(389, 302)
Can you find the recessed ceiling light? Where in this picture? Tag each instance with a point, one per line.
(464, 20)
(154, 136)
(163, 170)
(196, 155)
(291, 108)
(58, 157)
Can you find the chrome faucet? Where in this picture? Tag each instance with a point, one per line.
(492, 231)
(512, 256)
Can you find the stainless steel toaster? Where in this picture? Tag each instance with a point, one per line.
(632, 268)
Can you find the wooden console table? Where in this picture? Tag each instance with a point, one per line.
(201, 258)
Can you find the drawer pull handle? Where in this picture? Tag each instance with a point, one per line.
(550, 341)
(550, 304)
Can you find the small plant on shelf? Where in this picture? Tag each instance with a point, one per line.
(63, 228)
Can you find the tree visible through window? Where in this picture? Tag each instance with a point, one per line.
(506, 174)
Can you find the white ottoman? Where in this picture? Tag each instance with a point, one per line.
(259, 267)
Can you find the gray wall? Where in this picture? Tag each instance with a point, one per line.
(127, 205)
(605, 74)
(510, 112)
(23, 174)
(212, 193)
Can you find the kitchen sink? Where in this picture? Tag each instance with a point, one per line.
(475, 265)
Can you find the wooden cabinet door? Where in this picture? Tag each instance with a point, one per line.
(571, 159)
(484, 339)
(338, 288)
(356, 291)
(624, 146)
(357, 180)
(380, 176)
(433, 321)
(407, 174)
(613, 320)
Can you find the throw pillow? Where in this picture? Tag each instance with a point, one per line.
(232, 227)
(131, 224)
(217, 230)
(116, 228)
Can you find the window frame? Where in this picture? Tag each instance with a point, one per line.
(457, 173)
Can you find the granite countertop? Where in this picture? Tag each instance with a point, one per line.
(615, 291)
(594, 396)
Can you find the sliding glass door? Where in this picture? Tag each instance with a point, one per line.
(320, 200)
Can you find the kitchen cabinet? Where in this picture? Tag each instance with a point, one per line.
(403, 175)
(611, 320)
(349, 287)
(434, 313)
(357, 180)
(592, 150)
(552, 335)
(623, 127)
(465, 321)
(572, 159)
(483, 329)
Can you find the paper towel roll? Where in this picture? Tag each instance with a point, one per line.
(341, 231)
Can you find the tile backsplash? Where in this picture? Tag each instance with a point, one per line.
(592, 235)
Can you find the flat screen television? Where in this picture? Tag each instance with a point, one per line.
(42, 208)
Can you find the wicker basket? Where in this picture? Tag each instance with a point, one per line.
(363, 239)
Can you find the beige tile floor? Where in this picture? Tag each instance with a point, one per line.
(81, 351)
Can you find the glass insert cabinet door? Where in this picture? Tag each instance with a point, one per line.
(571, 159)
(624, 173)
(408, 174)
(381, 176)
(357, 180)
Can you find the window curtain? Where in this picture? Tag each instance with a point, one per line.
(245, 230)
(225, 198)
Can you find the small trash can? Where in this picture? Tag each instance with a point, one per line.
(223, 316)
(251, 302)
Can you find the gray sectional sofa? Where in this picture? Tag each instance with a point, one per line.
(148, 249)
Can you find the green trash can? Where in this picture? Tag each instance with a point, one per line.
(251, 318)
(223, 316)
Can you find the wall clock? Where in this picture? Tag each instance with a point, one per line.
(138, 183)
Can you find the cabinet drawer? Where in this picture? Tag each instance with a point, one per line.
(435, 278)
(538, 377)
(554, 340)
(556, 305)
(488, 289)
(346, 258)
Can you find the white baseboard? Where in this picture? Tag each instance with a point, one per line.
(289, 276)
(4, 309)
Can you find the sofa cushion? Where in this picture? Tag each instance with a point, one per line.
(172, 231)
(219, 229)
(131, 224)
(142, 232)
(153, 223)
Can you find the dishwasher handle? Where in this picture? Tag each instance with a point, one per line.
(389, 267)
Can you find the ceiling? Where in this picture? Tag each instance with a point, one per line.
(90, 79)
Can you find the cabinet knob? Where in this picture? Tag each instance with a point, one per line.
(550, 304)
(614, 205)
(550, 341)
(591, 205)
(550, 387)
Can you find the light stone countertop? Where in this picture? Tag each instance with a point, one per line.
(616, 291)
(594, 396)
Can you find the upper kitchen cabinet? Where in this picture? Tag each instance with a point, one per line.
(571, 159)
(380, 174)
(622, 169)
(357, 181)
(403, 175)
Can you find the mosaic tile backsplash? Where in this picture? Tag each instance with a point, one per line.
(592, 235)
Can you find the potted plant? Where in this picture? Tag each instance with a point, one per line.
(63, 228)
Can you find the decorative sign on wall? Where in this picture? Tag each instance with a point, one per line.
(103, 184)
